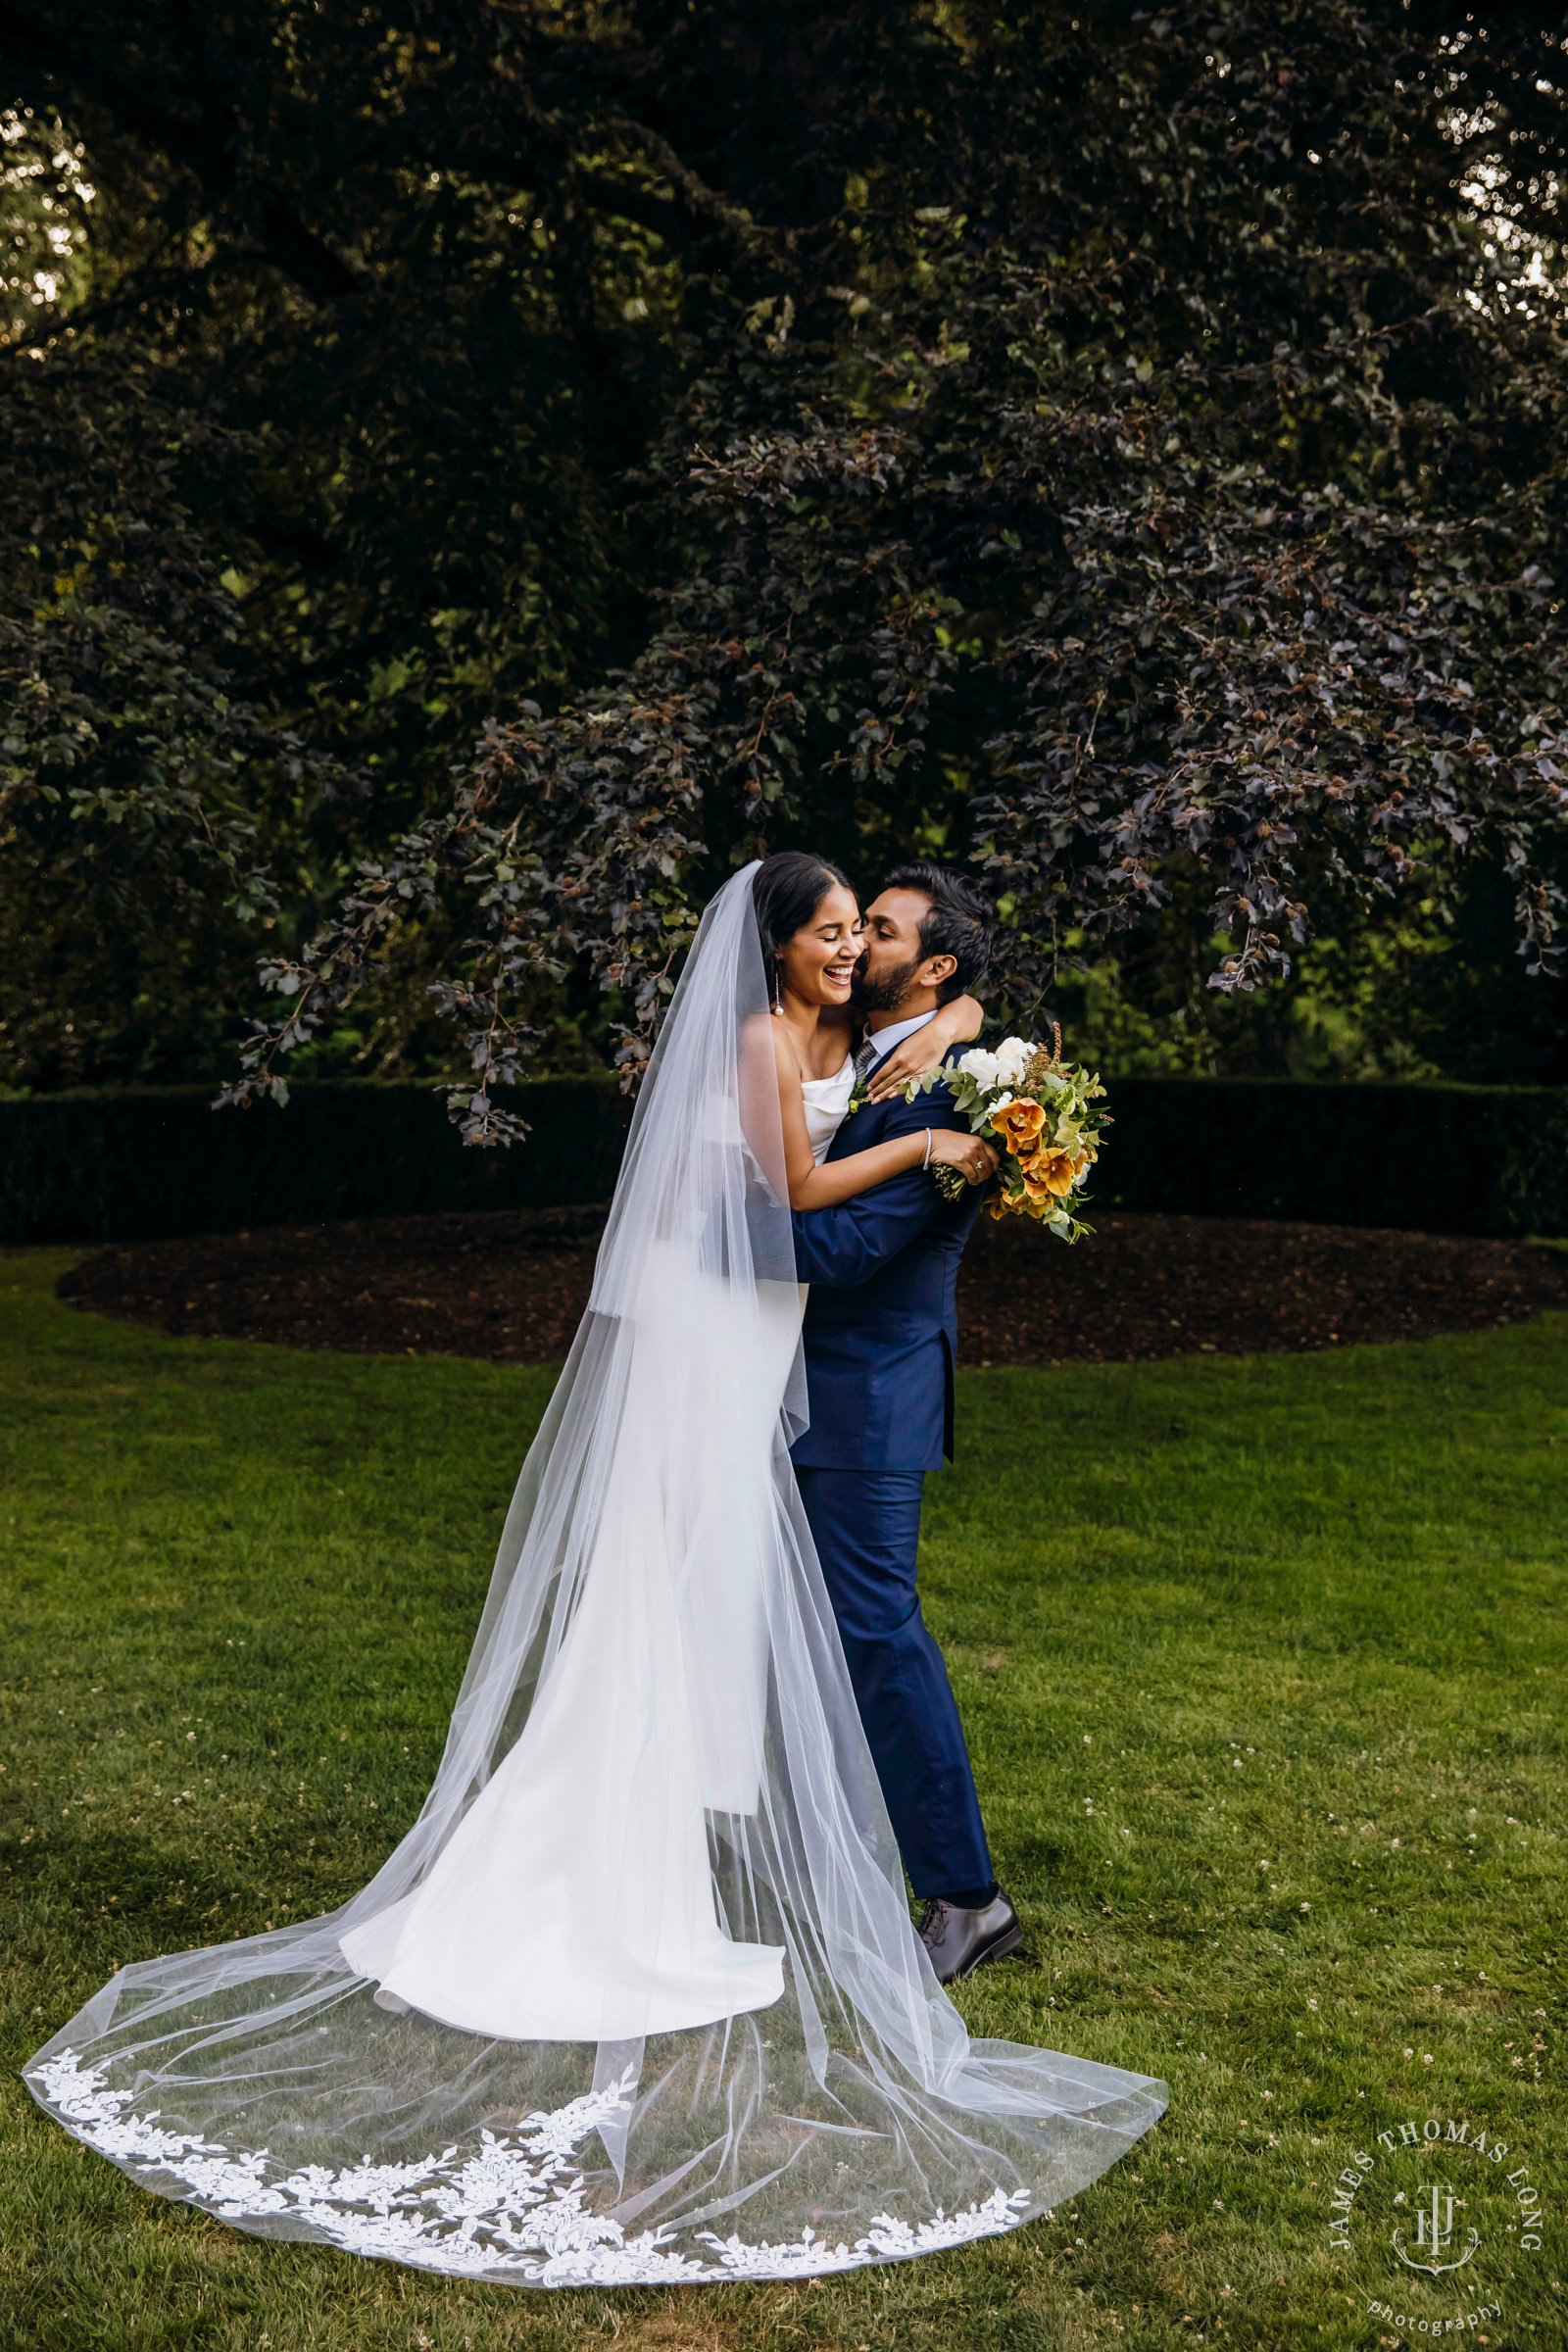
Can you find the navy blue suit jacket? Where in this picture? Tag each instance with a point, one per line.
(881, 1327)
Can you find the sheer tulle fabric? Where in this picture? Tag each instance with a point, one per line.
(664, 2014)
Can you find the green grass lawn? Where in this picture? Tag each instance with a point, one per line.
(1264, 1667)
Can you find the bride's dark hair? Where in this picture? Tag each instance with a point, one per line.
(787, 890)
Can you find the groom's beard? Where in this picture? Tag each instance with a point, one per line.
(887, 992)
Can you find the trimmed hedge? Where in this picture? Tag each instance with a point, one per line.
(1480, 1159)
(122, 1165)
(128, 1164)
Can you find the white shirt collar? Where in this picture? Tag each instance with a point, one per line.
(895, 1034)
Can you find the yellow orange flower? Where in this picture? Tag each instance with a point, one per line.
(1049, 1172)
(1019, 1125)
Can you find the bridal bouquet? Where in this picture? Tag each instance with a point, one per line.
(1041, 1114)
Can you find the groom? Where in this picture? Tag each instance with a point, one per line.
(880, 1336)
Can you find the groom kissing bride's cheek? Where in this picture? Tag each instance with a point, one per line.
(880, 1337)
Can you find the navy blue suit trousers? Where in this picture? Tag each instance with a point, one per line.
(867, 1529)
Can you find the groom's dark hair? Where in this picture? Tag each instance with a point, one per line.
(956, 923)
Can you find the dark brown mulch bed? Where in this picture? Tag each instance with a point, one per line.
(512, 1286)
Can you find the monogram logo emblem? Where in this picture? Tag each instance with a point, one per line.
(1434, 2231)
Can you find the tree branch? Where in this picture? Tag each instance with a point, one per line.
(196, 145)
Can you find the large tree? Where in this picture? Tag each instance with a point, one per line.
(1124, 450)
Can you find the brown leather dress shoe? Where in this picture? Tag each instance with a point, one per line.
(961, 1941)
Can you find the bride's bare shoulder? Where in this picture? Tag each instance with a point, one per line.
(767, 1042)
(786, 1060)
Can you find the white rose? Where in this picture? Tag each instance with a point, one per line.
(1010, 1057)
(979, 1066)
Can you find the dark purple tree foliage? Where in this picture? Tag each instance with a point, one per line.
(1116, 448)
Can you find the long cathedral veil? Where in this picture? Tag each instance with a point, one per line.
(637, 1997)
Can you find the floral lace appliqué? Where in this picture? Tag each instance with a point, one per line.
(516, 2208)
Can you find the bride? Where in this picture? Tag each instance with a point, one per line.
(638, 1997)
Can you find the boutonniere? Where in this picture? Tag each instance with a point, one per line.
(860, 1098)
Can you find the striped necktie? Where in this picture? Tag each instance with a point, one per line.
(867, 1055)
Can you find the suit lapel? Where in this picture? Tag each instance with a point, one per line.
(864, 1128)
(857, 1132)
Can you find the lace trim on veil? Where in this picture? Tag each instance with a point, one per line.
(514, 2210)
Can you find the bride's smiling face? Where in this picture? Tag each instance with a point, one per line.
(817, 963)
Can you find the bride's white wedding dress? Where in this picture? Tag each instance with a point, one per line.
(826, 1101)
(572, 1901)
(637, 1997)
